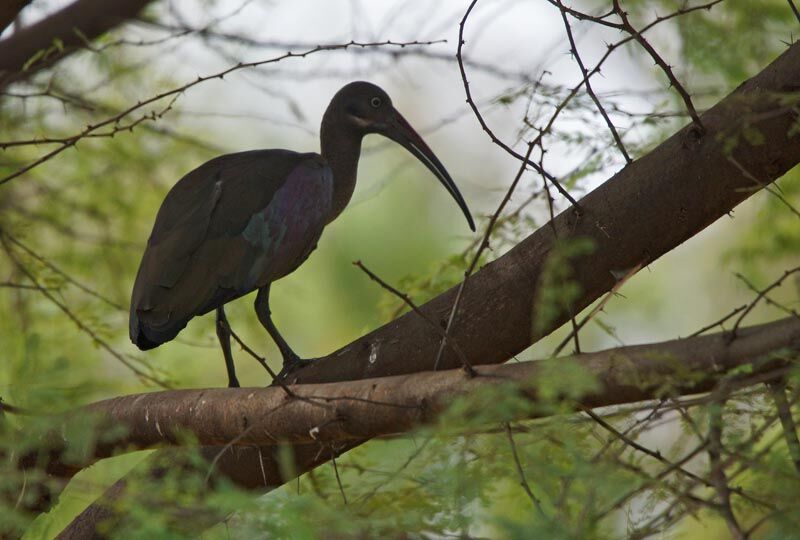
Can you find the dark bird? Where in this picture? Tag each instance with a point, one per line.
(241, 221)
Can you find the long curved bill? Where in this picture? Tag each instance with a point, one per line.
(400, 131)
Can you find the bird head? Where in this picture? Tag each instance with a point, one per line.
(366, 108)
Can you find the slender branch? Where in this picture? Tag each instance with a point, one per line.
(577, 57)
(405, 298)
(338, 478)
(718, 476)
(778, 390)
(771, 190)
(673, 80)
(720, 322)
(525, 159)
(794, 10)
(597, 309)
(69, 279)
(174, 93)
(523, 482)
(761, 294)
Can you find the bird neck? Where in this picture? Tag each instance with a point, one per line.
(341, 148)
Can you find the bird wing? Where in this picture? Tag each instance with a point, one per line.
(217, 232)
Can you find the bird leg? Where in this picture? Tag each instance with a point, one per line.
(291, 361)
(224, 335)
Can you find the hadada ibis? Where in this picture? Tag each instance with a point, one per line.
(241, 221)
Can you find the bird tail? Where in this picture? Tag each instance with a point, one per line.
(141, 340)
(147, 337)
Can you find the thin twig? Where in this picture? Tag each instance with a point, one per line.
(589, 90)
(599, 307)
(521, 473)
(113, 121)
(768, 188)
(438, 329)
(761, 294)
(719, 322)
(718, 477)
(261, 360)
(338, 479)
(794, 10)
(673, 80)
(643, 449)
(11, 285)
(67, 277)
(525, 159)
(778, 391)
(481, 247)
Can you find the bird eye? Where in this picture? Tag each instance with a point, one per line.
(375, 102)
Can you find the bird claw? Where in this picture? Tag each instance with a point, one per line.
(290, 365)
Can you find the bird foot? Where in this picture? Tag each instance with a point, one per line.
(290, 365)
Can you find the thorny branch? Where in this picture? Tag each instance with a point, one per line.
(586, 78)
(114, 121)
(525, 159)
(761, 294)
(673, 80)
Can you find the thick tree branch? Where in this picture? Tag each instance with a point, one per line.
(355, 410)
(9, 10)
(50, 40)
(647, 209)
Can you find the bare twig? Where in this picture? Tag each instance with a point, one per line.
(719, 322)
(521, 472)
(761, 294)
(598, 308)
(778, 390)
(589, 90)
(338, 479)
(12, 285)
(174, 93)
(261, 360)
(57, 270)
(643, 449)
(673, 80)
(525, 159)
(718, 477)
(481, 247)
(794, 10)
(765, 185)
(438, 329)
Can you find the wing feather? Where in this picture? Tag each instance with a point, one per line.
(216, 234)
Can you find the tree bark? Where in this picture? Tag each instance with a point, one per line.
(355, 410)
(647, 209)
(71, 27)
(9, 11)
